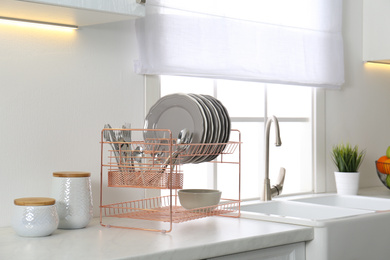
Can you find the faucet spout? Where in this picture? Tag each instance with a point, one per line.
(268, 193)
(278, 141)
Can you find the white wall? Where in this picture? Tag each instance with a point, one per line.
(57, 91)
(359, 112)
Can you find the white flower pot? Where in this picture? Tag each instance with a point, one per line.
(347, 183)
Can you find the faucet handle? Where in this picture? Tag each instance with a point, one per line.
(282, 174)
(278, 187)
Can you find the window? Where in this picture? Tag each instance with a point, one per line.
(249, 104)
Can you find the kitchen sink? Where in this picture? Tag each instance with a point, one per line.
(298, 212)
(345, 227)
(355, 202)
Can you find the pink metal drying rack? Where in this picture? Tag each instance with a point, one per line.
(125, 168)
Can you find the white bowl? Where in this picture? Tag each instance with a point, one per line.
(198, 198)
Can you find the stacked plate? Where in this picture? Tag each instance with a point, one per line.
(203, 115)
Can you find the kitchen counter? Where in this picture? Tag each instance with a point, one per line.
(380, 192)
(197, 239)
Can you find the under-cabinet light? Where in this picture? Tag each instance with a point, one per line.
(376, 66)
(40, 24)
(387, 62)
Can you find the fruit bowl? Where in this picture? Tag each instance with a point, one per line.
(383, 171)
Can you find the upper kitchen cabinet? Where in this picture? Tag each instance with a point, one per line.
(376, 32)
(72, 12)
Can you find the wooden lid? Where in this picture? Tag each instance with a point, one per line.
(71, 174)
(34, 201)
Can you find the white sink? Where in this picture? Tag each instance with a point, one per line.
(355, 202)
(345, 227)
(299, 213)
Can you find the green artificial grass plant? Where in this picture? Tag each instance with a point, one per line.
(346, 158)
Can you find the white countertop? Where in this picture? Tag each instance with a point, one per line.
(380, 192)
(197, 239)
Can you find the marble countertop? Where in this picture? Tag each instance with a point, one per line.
(197, 239)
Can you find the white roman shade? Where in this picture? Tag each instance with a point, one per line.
(295, 42)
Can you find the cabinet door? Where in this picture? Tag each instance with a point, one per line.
(376, 37)
(71, 12)
(286, 252)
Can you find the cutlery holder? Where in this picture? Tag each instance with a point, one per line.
(150, 179)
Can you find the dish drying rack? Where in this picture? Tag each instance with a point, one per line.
(150, 164)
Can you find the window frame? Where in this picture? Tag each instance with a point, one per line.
(152, 92)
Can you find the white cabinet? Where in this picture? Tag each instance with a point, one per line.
(286, 252)
(72, 12)
(376, 32)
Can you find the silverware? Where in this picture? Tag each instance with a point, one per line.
(183, 142)
(126, 147)
(138, 153)
(113, 137)
(110, 137)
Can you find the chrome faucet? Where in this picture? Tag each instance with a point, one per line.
(269, 192)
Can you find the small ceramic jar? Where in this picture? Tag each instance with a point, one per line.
(72, 191)
(35, 217)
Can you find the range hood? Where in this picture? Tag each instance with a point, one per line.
(72, 12)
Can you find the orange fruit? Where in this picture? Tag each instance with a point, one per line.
(383, 165)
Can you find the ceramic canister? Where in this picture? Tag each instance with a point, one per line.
(72, 191)
(34, 217)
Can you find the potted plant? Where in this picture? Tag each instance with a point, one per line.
(347, 160)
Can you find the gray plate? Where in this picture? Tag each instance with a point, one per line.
(176, 112)
(225, 125)
(216, 125)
